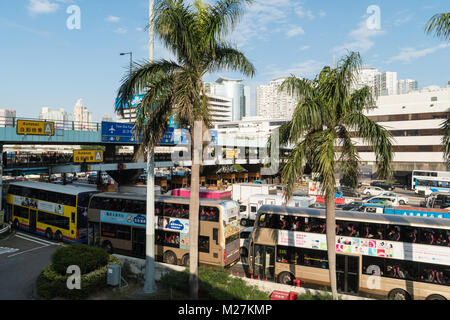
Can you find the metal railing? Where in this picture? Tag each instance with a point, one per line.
(59, 124)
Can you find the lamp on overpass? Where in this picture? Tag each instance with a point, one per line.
(131, 70)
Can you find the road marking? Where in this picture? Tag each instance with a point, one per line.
(7, 250)
(16, 254)
(33, 239)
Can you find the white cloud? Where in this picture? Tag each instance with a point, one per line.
(112, 19)
(309, 68)
(303, 48)
(121, 31)
(295, 31)
(406, 55)
(302, 13)
(42, 6)
(403, 20)
(361, 39)
(322, 13)
(264, 17)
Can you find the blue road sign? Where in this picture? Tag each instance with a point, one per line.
(169, 137)
(115, 132)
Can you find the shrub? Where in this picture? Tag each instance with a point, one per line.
(88, 258)
(51, 283)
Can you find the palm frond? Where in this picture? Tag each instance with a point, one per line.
(439, 24)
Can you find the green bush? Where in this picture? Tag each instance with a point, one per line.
(215, 284)
(88, 258)
(51, 283)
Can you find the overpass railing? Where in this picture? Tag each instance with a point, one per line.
(59, 124)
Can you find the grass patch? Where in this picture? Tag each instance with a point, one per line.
(213, 285)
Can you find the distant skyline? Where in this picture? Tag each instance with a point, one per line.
(45, 63)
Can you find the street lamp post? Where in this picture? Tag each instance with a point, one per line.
(131, 70)
(149, 284)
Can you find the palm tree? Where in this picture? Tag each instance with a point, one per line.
(439, 24)
(195, 34)
(329, 114)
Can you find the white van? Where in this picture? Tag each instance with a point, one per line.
(249, 208)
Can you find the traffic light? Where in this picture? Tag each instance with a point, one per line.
(120, 166)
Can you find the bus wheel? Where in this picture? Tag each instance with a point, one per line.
(58, 236)
(285, 278)
(244, 222)
(16, 224)
(399, 294)
(49, 234)
(170, 257)
(436, 297)
(185, 260)
(107, 246)
(401, 202)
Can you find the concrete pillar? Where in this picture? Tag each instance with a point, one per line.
(110, 152)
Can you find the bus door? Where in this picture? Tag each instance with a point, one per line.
(264, 262)
(138, 238)
(347, 273)
(32, 220)
(93, 233)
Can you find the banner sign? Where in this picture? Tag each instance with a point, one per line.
(129, 219)
(39, 204)
(38, 128)
(368, 247)
(88, 155)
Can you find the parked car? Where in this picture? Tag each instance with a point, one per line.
(393, 200)
(373, 191)
(383, 185)
(401, 200)
(348, 192)
(106, 179)
(245, 235)
(352, 206)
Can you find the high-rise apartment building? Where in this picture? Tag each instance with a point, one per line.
(7, 117)
(271, 103)
(407, 86)
(82, 117)
(220, 109)
(366, 77)
(386, 83)
(233, 89)
(59, 116)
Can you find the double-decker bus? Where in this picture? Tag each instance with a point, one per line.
(56, 211)
(391, 256)
(426, 182)
(117, 221)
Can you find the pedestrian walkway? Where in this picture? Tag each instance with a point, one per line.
(4, 250)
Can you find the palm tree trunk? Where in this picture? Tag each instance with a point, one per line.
(194, 209)
(331, 241)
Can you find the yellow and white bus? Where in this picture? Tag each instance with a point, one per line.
(389, 256)
(117, 221)
(56, 211)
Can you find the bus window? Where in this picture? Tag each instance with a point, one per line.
(21, 212)
(167, 238)
(372, 266)
(55, 220)
(73, 217)
(427, 236)
(159, 208)
(242, 208)
(209, 214)
(203, 244)
(263, 219)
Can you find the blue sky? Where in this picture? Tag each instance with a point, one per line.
(43, 63)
